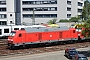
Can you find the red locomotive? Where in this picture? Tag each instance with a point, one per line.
(28, 36)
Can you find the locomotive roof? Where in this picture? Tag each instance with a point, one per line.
(18, 26)
(44, 29)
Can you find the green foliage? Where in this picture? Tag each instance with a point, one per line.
(83, 20)
(63, 20)
(86, 10)
(53, 21)
(86, 31)
(74, 19)
(88, 22)
(83, 33)
(84, 13)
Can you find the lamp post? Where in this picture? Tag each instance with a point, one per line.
(11, 24)
(33, 20)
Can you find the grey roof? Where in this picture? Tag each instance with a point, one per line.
(44, 29)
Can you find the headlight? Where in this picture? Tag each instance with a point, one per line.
(10, 39)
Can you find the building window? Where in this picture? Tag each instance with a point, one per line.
(68, 9)
(68, 15)
(27, 9)
(0, 31)
(80, 4)
(52, 9)
(2, 9)
(41, 9)
(53, 2)
(40, 15)
(69, 2)
(38, 9)
(2, 2)
(10, 14)
(3, 23)
(39, 2)
(6, 30)
(10, 22)
(16, 28)
(79, 10)
(81, 17)
(3, 16)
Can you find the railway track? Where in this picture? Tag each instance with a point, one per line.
(4, 51)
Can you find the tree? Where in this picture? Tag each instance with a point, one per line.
(89, 8)
(86, 31)
(53, 21)
(63, 20)
(74, 19)
(86, 10)
(86, 2)
(84, 13)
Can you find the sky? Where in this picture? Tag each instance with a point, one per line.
(85, 0)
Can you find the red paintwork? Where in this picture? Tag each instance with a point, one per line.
(42, 36)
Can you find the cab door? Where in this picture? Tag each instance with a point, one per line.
(21, 38)
(40, 37)
(18, 39)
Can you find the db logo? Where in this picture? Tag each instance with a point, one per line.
(50, 35)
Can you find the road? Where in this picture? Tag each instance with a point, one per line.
(43, 56)
(58, 55)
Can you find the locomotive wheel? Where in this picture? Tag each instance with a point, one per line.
(71, 42)
(12, 47)
(75, 42)
(64, 43)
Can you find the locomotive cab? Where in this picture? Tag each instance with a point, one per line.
(15, 38)
(11, 36)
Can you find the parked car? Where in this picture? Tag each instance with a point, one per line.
(69, 52)
(79, 57)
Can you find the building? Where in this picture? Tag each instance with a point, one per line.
(38, 11)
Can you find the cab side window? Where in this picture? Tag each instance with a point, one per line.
(20, 35)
